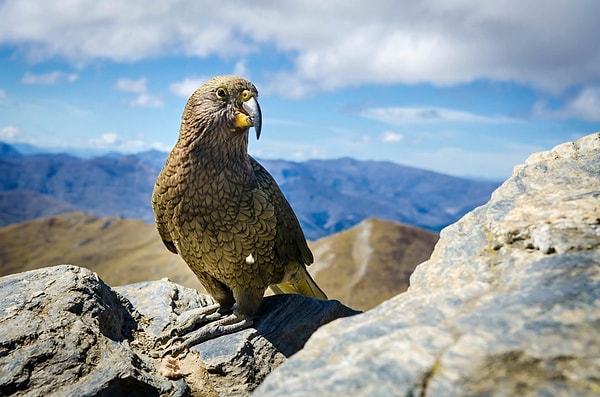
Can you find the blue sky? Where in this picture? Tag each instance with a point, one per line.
(460, 87)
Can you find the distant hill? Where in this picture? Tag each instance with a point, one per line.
(19, 204)
(328, 195)
(332, 195)
(121, 251)
(361, 267)
(371, 262)
(8, 151)
(104, 186)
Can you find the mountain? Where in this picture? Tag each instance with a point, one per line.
(8, 151)
(19, 204)
(370, 262)
(327, 195)
(333, 195)
(108, 185)
(121, 251)
(361, 267)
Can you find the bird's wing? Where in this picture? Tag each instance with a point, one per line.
(290, 243)
(159, 210)
(170, 245)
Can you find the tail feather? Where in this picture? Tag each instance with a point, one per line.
(305, 286)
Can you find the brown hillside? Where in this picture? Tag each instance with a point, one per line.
(371, 262)
(361, 267)
(121, 251)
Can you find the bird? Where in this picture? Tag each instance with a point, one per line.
(224, 214)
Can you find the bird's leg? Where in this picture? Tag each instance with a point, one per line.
(223, 326)
(215, 321)
(194, 318)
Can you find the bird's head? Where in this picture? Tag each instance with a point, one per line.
(222, 108)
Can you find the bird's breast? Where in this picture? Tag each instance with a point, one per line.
(211, 199)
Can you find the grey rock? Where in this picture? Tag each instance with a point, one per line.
(64, 332)
(508, 304)
(162, 302)
(234, 364)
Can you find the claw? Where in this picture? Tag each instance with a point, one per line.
(193, 319)
(214, 321)
(225, 326)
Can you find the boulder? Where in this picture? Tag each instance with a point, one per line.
(508, 304)
(64, 332)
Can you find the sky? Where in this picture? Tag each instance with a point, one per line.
(468, 88)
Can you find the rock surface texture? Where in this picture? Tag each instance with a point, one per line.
(508, 304)
(64, 332)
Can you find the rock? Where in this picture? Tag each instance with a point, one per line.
(65, 332)
(234, 364)
(508, 304)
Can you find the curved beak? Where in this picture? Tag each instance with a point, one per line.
(251, 106)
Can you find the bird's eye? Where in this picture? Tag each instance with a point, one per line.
(221, 93)
(245, 95)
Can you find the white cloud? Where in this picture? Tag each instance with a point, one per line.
(458, 161)
(107, 139)
(3, 95)
(186, 87)
(329, 44)
(128, 85)
(147, 100)
(442, 43)
(51, 78)
(391, 137)
(585, 106)
(294, 151)
(10, 134)
(240, 69)
(139, 86)
(417, 115)
(288, 85)
(113, 142)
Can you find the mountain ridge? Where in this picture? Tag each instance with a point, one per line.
(328, 196)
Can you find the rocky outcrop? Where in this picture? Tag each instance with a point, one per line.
(508, 304)
(64, 332)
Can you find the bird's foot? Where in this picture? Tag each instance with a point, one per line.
(193, 319)
(214, 321)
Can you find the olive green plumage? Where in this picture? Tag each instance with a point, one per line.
(222, 211)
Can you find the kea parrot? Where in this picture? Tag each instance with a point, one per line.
(224, 214)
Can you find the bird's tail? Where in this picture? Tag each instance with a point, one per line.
(303, 284)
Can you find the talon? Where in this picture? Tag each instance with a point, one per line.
(185, 334)
(169, 349)
(222, 326)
